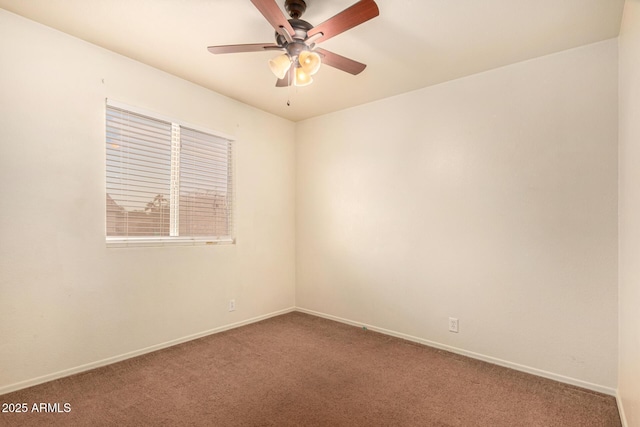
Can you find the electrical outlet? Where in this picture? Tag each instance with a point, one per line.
(453, 324)
(232, 305)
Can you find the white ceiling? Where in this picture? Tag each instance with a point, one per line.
(412, 44)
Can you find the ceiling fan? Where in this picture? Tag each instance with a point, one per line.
(299, 39)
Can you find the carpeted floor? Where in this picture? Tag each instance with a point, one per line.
(301, 370)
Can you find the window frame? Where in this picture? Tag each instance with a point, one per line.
(156, 241)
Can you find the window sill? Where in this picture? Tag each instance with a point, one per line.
(133, 242)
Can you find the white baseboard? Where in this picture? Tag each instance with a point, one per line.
(623, 417)
(534, 371)
(82, 368)
(86, 367)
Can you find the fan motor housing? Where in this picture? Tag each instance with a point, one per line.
(299, 26)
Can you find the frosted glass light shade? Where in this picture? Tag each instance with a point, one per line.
(310, 62)
(302, 78)
(280, 65)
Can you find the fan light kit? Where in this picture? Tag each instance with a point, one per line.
(298, 39)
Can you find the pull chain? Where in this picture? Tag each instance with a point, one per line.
(289, 87)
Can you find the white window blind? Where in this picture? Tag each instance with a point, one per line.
(204, 184)
(165, 182)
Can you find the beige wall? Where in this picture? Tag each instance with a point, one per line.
(629, 206)
(492, 199)
(65, 299)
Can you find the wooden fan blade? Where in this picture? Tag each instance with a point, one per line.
(345, 20)
(273, 14)
(237, 48)
(287, 80)
(340, 62)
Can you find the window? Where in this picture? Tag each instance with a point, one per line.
(166, 182)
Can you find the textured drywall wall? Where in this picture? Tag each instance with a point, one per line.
(629, 369)
(492, 199)
(66, 300)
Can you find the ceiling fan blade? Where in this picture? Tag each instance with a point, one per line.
(273, 14)
(237, 48)
(287, 80)
(340, 62)
(345, 20)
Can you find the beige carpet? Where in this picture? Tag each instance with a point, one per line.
(301, 370)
